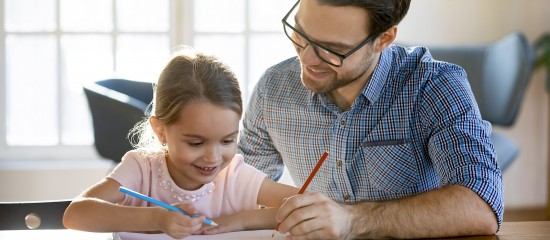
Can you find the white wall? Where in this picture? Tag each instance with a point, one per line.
(443, 22)
(49, 180)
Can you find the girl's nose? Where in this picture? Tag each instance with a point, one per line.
(213, 155)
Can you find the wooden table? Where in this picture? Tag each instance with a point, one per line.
(508, 231)
(524, 230)
(517, 231)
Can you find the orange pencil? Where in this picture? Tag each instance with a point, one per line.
(308, 180)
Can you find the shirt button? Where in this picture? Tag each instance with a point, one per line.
(347, 197)
(339, 163)
(342, 122)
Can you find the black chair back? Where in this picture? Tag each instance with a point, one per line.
(116, 105)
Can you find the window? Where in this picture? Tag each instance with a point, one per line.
(51, 48)
(247, 34)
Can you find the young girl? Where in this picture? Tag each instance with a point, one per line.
(190, 161)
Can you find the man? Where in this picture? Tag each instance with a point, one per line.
(409, 155)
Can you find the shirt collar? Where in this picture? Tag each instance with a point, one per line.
(379, 76)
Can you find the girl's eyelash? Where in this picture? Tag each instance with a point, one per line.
(195, 144)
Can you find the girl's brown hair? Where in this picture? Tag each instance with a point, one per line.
(190, 76)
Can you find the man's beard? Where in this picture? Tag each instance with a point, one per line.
(341, 81)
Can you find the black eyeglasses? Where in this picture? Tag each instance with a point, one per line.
(301, 40)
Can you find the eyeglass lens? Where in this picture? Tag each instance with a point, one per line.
(302, 41)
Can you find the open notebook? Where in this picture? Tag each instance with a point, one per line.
(259, 234)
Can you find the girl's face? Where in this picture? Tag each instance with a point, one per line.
(200, 144)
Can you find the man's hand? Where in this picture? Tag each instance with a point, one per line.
(449, 211)
(314, 216)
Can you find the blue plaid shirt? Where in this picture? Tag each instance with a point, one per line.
(413, 128)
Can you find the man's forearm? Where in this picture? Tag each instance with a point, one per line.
(449, 211)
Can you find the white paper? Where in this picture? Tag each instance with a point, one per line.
(259, 234)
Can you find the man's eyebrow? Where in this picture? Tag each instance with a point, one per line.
(326, 44)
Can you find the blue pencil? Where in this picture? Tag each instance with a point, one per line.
(162, 204)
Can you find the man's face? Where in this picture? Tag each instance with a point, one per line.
(339, 29)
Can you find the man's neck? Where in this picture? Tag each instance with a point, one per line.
(344, 96)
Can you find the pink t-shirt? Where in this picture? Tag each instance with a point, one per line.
(234, 189)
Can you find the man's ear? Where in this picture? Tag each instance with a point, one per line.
(385, 39)
(158, 128)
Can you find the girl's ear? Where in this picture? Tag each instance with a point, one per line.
(158, 128)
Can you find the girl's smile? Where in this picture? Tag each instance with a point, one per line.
(207, 171)
(200, 144)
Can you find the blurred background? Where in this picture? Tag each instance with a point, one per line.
(51, 48)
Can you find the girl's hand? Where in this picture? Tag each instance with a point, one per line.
(178, 225)
(255, 219)
(229, 223)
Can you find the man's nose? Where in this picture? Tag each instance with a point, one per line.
(308, 56)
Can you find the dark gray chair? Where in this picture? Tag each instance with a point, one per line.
(498, 74)
(116, 105)
(32, 215)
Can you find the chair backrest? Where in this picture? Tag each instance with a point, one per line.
(116, 105)
(498, 74)
(32, 215)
